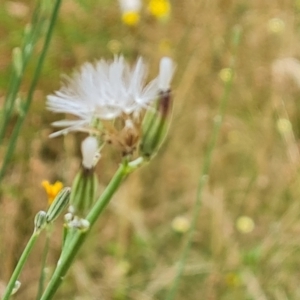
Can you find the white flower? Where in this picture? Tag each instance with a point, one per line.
(130, 5)
(103, 91)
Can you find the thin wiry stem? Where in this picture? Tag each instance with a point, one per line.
(218, 120)
(44, 262)
(20, 265)
(25, 107)
(31, 35)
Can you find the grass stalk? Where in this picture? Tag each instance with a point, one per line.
(31, 35)
(25, 107)
(44, 262)
(20, 265)
(204, 175)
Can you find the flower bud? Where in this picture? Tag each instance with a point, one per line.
(130, 11)
(85, 183)
(160, 9)
(40, 221)
(155, 126)
(166, 72)
(59, 204)
(78, 223)
(16, 287)
(83, 191)
(89, 149)
(68, 217)
(156, 122)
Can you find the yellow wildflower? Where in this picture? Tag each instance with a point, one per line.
(52, 189)
(159, 8)
(245, 224)
(276, 26)
(226, 74)
(130, 11)
(131, 18)
(114, 46)
(181, 224)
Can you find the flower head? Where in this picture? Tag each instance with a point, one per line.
(159, 8)
(181, 224)
(130, 11)
(245, 224)
(131, 18)
(52, 189)
(130, 5)
(110, 100)
(103, 91)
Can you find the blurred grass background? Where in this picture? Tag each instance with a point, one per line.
(246, 245)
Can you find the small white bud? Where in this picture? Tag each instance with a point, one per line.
(71, 209)
(89, 149)
(68, 217)
(16, 287)
(84, 225)
(166, 71)
(80, 224)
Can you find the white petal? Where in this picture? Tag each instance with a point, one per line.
(130, 5)
(89, 148)
(166, 71)
(107, 90)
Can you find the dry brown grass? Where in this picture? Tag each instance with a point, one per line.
(133, 249)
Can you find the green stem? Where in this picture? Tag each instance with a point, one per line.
(16, 78)
(44, 261)
(20, 265)
(203, 178)
(13, 139)
(79, 237)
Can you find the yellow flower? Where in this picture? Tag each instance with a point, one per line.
(245, 224)
(226, 74)
(114, 46)
(276, 26)
(159, 8)
(181, 224)
(52, 189)
(131, 18)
